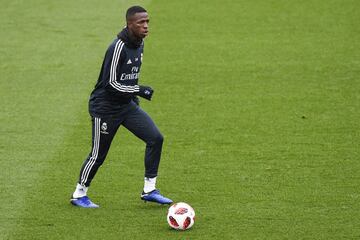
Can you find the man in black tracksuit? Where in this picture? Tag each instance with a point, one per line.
(114, 102)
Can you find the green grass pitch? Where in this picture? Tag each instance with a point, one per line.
(258, 102)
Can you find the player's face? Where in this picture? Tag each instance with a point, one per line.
(139, 24)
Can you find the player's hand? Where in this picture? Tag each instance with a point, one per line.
(146, 92)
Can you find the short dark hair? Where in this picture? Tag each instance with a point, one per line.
(133, 10)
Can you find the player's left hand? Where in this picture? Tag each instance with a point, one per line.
(146, 92)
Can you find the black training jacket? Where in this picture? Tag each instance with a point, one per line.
(118, 79)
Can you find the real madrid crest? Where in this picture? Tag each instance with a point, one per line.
(104, 128)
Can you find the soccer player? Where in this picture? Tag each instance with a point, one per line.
(115, 102)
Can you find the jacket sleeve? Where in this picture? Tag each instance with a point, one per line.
(110, 71)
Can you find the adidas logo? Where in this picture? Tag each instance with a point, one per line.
(129, 61)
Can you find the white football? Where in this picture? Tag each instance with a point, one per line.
(181, 216)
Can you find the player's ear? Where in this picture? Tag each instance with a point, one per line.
(130, 24)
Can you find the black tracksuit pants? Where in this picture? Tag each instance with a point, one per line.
(103, 131)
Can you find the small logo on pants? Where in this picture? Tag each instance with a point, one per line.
(104, 128)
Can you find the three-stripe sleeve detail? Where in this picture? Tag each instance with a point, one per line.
(114, 63)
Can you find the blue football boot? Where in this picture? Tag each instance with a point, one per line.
(155, 196)
(83, 202)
